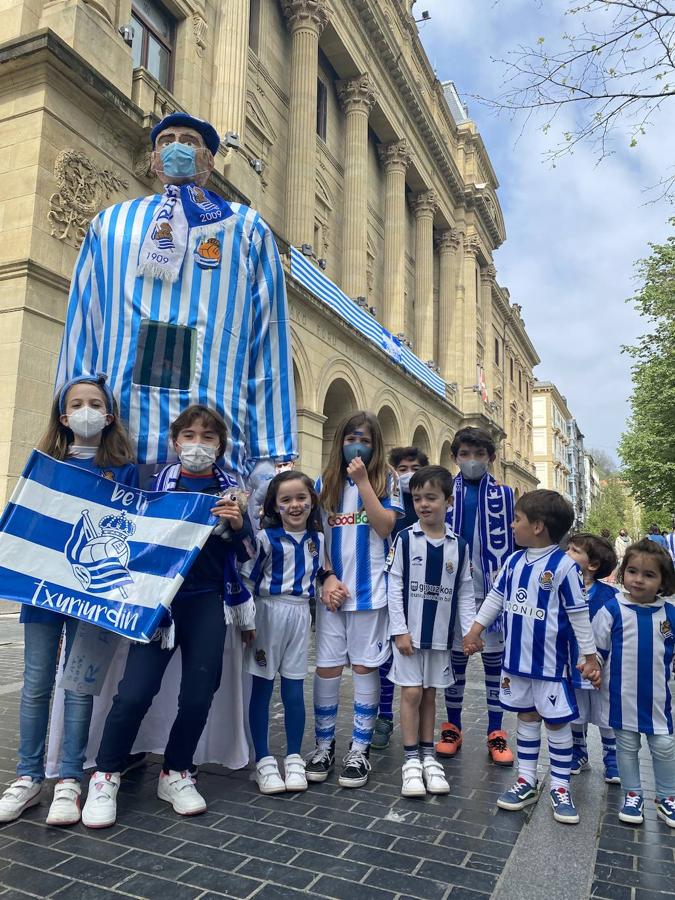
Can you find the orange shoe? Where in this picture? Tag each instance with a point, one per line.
(500, 753)
(450, 742)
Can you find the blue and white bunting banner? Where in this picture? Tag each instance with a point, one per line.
(85, 546)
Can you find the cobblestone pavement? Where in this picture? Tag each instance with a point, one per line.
(365, 844)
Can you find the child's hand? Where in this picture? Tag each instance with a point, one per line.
(227, 508)
(357, 471)
(404, 644)
(334, 593)
(591, 670)
(472, 644)
(247, 637)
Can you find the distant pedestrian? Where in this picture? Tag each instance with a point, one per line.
(635, 634)
(656, 536)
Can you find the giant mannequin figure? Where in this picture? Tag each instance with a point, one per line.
(180, 299)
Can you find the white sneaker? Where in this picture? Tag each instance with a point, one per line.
(21, 794)
(269, 778)
(434, 776)
(294, 770)
(65, 808)
(413, 779)
(100, 808)
(178, 789)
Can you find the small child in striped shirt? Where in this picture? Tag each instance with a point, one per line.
(282, 576)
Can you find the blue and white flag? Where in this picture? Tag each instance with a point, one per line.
(82, 545)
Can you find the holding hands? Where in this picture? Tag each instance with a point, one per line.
(472, 642)
(590, 669)
(404, 644)
(334, 593)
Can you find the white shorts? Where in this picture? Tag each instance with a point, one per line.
(425, 668)
(359, 637)
(553, 700)
(590, 707)
(493, 640)
(281, 638)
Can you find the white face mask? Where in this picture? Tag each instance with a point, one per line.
(196, 457)
(404, 481)
(473, 469)
(86, 422)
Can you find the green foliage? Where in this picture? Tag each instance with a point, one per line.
(647, 449)
(660, 517)
(610, 509)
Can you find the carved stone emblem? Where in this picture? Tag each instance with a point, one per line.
(82, 189)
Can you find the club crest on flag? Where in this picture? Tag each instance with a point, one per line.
(99, 556)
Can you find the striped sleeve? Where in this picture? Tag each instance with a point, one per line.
(271, 415)
(394, 567)
(394, 498)
(493, 604)
(253, 570)
(466, 598)
(602, 631)
(84, 320)
(571, 588)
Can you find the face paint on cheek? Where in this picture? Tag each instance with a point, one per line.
(306, 506)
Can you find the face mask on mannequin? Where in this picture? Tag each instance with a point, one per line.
(196, 457)
(86, 422)
(404, 481)
(179, 160)
(351, 451)
(473, 469)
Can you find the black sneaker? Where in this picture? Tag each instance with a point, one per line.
(320, 763)
(355, 768)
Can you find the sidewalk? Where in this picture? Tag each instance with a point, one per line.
(366, 844)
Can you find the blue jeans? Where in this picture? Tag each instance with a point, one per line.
(662, 749)
(40, 661)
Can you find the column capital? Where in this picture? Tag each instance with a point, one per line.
(424, 204)
(356, 94)
(448, 241)
(471, 244)
(488, 274)
(312, 14)
(395, 157)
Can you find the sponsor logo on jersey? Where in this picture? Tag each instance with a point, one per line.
(416, 561)
(390, 557)
(430, 591)
(546, 580)
(519, 608)
(357, 518)
(553, 699)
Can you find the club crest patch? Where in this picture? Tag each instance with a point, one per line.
(207, 254)
(313, 549)
(162, 235)
(261, 658)
(506, 686)
(390, 556)
(666, 629)
(449, 568)
(546, 580)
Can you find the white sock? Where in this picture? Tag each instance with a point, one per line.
(560, 754)
(366, 700)
(326, 697)
(528, 735)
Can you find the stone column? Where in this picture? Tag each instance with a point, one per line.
(424, 206)
(231, 66)
(395, 160)
(447, 245)
(306, 19)
(356, 98)
(470, 324)
(488, 274)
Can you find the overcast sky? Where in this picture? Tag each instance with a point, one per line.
(573, 231)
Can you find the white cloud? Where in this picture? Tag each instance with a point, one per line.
(574, 231)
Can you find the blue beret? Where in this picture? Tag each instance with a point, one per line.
(207, 131)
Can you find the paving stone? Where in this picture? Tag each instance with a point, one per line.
(152, 864)
(264, 850)
(264, 830)
(93, 871)
(34, 833)
(413, 885)
(462, 893)
(151, 888)
(399, 861)
(610, 891)
(275, 872)
(209, 856)
(191, 831)
(320, 843)
(40, 857)
(340, 866)
(275, 892)
(81, 891)
(231, 883)
(88, 848)
(42, 884)
(457, 875)
(369, 837)
(146, 840)
(337, 889)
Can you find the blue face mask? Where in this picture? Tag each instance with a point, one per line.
(179, 160)
(351, 451)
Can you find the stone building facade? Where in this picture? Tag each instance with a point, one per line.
(335, 127)
(551, 438)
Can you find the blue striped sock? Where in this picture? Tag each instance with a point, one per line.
(454, 695)
(366, 696)
(386, 710)
(608, 740)
(326, 696)
(492, 663)
(579, 735)
(560, 754)
(528, 735)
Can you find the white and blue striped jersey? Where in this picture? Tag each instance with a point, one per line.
(670, 544)
(356, 552)
(537, 593)
(217, 336)
(284, 563)
(429, 585)
(636, 642)
(598, 594)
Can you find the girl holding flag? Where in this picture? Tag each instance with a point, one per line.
(83, 430)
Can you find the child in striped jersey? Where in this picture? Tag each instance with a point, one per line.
(430, 588)
(540, 592)
(596, 558)
(283, 576)
(360, 502)
(635, 634)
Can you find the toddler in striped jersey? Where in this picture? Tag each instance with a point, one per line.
(540, 592)
(360, 501)
(635, 635)
(430, 589)
(596, 558)
(282, 576)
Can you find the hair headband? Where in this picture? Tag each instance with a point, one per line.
(100, 380)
